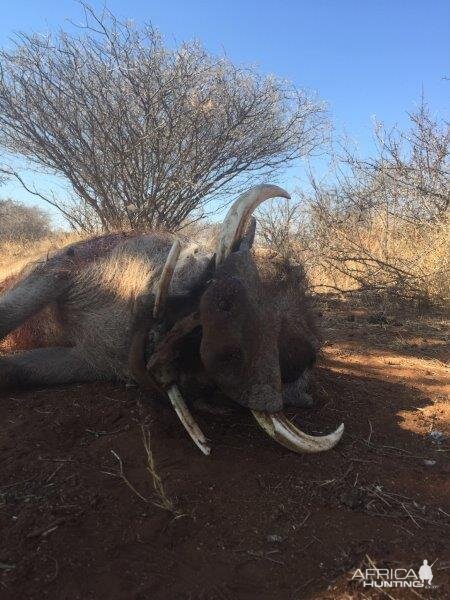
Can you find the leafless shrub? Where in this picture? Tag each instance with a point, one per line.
(381, 226)
(279, 228)
(21, 222)
(145, 135)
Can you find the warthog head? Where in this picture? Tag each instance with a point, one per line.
(244, 329)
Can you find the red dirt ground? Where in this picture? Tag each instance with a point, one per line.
(253, 520)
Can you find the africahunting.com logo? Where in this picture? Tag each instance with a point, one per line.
(396, 578)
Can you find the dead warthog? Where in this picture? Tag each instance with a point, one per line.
(167, 312)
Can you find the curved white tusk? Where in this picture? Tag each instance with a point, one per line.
(187, 419)
(278, 427)
(235, 222)
(165, 279)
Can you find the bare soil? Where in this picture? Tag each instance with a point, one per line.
(252, 520)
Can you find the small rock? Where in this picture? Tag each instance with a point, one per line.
(274, 538)
(429, 463)
(350, 318)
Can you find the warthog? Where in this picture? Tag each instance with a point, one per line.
(167, 312)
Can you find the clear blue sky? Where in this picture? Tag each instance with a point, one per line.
(364, 58)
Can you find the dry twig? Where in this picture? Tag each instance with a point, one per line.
(164, 501)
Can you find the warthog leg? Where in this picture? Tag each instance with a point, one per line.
(44, 284)
(45, 366)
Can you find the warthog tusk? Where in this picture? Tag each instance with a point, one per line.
(278, 427)
(165, 279)
(235, 222)
(187, 419)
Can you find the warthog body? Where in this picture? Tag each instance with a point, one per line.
(74, 312)
(168, 312)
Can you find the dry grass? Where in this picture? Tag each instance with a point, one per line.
(395, 259)
(162, 501)
(386, 254)
(390, 263)
(14, 255)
